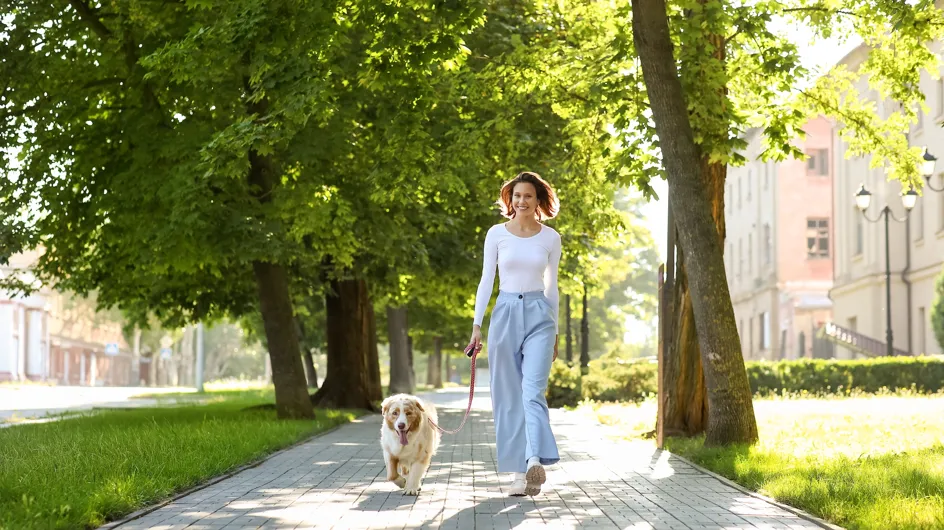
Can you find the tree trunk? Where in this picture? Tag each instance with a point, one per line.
(375, 389)
(400, 366)
(584, 337)
(348, 382)
(447, 357)
(569, 352)
(685, 397)
(730, 409)
(275, 302)
(307, 358)
(409, 356)
(311, 374)
(434, 373)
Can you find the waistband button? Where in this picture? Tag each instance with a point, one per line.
(520, 296)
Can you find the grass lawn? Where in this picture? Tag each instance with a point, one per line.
(83, 471)
(861, 463)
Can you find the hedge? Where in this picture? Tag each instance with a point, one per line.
(611, 379)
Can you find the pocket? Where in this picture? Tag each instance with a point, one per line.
(546, 305)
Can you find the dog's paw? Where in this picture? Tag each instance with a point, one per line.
(400, 482)
(412, 491)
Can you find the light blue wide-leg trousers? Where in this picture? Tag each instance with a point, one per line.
(521, 337)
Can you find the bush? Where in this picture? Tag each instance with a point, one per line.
(823, 377)
(620, 380)
(563, 387)
(611, 379)
(937, 310)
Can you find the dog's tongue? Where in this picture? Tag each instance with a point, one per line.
(403, 440)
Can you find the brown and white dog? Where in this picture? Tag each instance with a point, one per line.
(409, 442)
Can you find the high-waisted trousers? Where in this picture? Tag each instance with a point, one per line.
(521, 336)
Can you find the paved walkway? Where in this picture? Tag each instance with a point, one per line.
(338, 481)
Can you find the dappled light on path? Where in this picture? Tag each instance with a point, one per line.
(338, 481)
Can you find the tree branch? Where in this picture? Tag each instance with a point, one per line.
(90, 17)
(821, 10)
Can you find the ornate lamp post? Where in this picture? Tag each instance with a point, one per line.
(863, 199)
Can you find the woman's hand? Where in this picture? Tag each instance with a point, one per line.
(476, 340)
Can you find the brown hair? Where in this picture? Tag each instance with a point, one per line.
(548, 203)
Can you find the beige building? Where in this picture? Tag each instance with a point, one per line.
(778, 247)
(55, 337)
(916, 246)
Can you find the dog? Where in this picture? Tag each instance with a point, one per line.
(408, 440)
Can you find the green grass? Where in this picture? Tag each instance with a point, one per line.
(81, 472)
(861, 463)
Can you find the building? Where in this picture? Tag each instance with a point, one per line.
(57, 337)
(916, 246)
(778, 247)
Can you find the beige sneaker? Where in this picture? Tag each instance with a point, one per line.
(534, 478)
(518, 486)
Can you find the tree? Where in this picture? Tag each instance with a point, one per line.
(937, 311)
(739, 71)
(175, 135)
(626, 265)
(730, 406)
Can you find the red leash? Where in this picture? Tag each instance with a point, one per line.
(471, 353)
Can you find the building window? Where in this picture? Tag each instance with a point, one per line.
(918, 214)
(729, 199)
(817, 238)
(920, 125)
(750, 343)
(750, 177)
(739, 192)
(922, 329)
(740, 257)
(764, 329)
(818, 162)
(767, 175)
(750, 253)
(767, 245)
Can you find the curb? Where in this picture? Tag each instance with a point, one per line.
(144, 511)
(727, 482)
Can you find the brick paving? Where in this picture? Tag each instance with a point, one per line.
(338, 481)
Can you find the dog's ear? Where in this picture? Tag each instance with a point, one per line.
(385, 406)
(419, 405)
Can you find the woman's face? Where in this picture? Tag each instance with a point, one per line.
(524, 199)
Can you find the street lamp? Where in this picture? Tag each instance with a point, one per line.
(927, 168)
(908, 199)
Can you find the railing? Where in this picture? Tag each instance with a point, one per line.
(855, 341)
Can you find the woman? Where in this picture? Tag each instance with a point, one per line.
(522, 333)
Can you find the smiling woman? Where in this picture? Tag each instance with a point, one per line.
(523, 328)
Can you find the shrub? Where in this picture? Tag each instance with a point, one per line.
(937, 311)
(612, 379)
(563, 388)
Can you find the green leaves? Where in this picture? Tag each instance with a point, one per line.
(140, 120)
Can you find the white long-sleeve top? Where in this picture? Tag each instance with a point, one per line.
(525, 264)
